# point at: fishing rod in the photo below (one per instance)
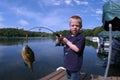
(58, 44)
(45, 28)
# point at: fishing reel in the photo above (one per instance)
(58, 43)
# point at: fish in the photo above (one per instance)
(28, 56)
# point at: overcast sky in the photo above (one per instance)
(53, 14)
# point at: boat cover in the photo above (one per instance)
(111, 14)
(105, 34)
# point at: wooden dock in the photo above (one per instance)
(60, 75)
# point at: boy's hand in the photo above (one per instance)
(59, 40)
(65, 40)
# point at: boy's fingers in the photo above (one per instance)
(57, 35)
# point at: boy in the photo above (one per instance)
(73, 49)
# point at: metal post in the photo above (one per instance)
(110, 50)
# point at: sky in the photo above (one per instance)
(52, 14)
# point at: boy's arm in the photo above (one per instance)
(71, 45)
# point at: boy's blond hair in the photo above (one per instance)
(77, 18)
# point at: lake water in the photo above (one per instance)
(48, 57)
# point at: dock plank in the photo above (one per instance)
(60, 75)
(63, 78)
(52, 75)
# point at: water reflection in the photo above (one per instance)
(5, 41)
(11, 41)
(13, 56)
(28, 56)
(90, 43)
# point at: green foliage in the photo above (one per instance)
(97, 30)
(93, 32)
(89, 43)
(86, 32)
(14, 32)
(64, 33)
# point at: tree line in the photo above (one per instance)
(86, 32)
(15, 32)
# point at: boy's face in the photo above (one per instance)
(75, 26)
